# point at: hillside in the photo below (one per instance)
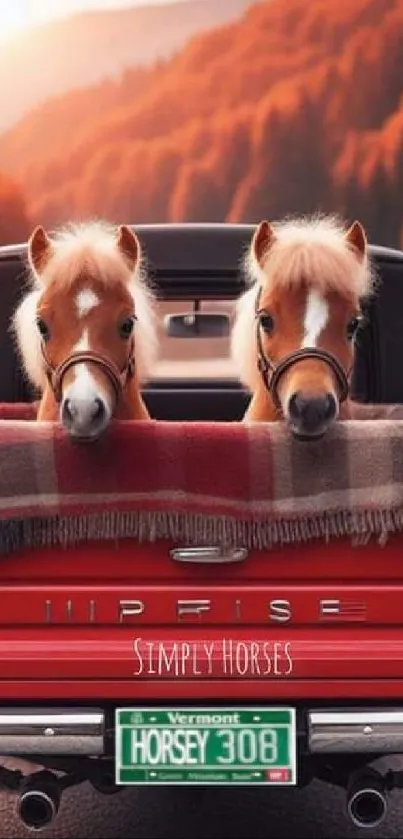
(38, 64)
(295, 107)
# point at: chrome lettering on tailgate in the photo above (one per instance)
(226, 658)
(111, 610)
(130, 608)
(192, 607)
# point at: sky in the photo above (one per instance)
(17, 15)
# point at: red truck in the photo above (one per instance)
(176, 663)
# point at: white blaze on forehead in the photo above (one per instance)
(85, 301)
(83, 344)
(315, 319)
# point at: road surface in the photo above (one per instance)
(314, 813)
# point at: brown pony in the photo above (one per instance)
(86, 330)
(295, 328)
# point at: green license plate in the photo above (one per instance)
(206, 746)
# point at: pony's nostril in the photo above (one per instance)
(331, 407)
(99, 410)
(68, 411)
(296, 406)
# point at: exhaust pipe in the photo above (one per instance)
(367, 802)
(39, 800)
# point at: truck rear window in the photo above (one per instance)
(194, 358)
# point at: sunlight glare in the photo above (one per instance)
(17, 15)
(14, 16)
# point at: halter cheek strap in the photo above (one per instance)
(272, 373)
(118, 378)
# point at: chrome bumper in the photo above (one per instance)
(355, 731)
(82, 731)
(52, 732)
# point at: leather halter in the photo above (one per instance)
(118, 378)
(272, 373)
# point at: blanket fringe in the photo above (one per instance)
(199, 529)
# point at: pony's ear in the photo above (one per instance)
(356, 237)
(129, 245)
(263, 239)
(39, 249)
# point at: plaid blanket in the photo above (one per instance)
(229, 483)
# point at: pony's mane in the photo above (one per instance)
(304, 249)
(315, 248)
(90, 246)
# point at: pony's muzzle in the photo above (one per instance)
(84, 419)
(309, 416)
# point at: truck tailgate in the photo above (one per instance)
(129, 620)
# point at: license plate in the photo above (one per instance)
(206, 746)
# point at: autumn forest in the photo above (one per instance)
(292, 107)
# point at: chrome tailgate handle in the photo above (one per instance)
(212, 555)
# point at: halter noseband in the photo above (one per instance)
(118, 378)
(272, 373)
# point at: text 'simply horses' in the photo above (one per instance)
(86, 329)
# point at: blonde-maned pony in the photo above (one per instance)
(293, 338)
(86, 329)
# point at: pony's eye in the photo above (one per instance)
(267, 323)
(43, 329)
(126, 327)
(353, 327)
